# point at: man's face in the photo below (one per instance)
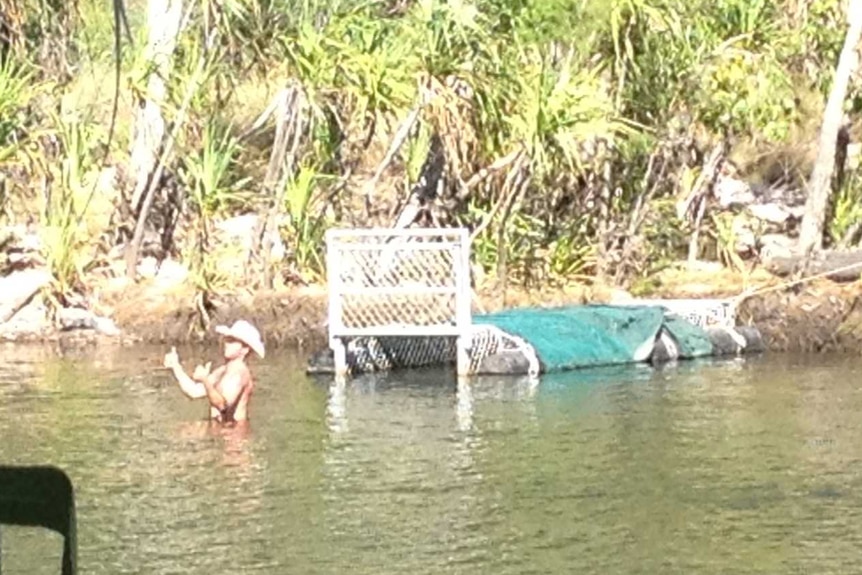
(233, 348)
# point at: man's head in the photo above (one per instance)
(239, 339)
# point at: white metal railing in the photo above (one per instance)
(399, 282)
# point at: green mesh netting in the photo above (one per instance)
(594, 334)
(691, 340)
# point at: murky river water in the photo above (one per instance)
(733, 467)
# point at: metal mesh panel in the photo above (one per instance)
(383, 281)
(369, 261)
(398, 298)
(701, 312)
(393, 311)
(372, 354)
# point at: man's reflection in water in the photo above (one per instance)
(228, 483)
(236, 440)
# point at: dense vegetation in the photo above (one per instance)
(562, 132)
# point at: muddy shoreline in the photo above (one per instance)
(815, 317)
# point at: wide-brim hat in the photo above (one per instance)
(246, 333)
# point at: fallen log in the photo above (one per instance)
(839, 266)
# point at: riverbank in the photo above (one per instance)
(812, 316)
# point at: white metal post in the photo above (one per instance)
(335, 324)
(462, 302)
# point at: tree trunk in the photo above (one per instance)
(424, 191)
(843, 266)
(819, 186)
(605, 227)
(292, 127)
(163, 24)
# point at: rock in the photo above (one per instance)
(725, 341)
(29, 322)
(777, 246)
(75, 318)
(20, 240)
(783, 195)
(241, 229)
(854, 152)
(106, 326)
(745, 238)
(148, 267)
(504, 363)
(774, 213)
(29, 242)
(766, 210)
(21, 261)
(81, 319)
(7, 236)
(731, 192)
(171, 273)
(165, 272)
(18, 288)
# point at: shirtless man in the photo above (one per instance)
(229, 387)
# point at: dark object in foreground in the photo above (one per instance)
(41, 496)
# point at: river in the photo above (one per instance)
(706, 467)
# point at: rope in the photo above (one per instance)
(738, 299)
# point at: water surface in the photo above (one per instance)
(710, 467)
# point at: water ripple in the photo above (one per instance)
(708, 467)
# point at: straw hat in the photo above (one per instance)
(245, 332)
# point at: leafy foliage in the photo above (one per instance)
(588, 96)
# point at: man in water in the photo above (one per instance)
(229, 387)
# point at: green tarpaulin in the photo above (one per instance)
(592, 335)
(690, 338)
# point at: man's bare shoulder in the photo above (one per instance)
(239, 370)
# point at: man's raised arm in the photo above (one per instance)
(189, 386)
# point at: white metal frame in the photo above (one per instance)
(456, 240)
(702, 312)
